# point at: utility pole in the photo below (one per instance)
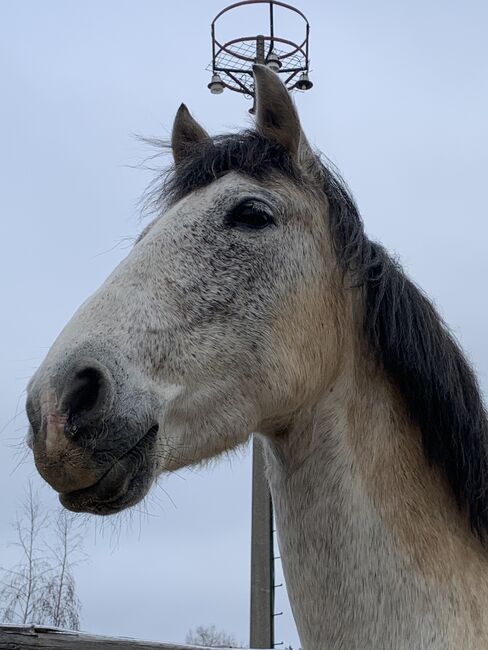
(262, 552)
(231, 68)
(262, 555)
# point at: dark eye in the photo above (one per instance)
(251, 215)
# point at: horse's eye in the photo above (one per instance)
(250, 215)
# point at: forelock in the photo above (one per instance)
(246, 152)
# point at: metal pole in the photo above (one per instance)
(260, 49)
(262, 553)
(260, 58)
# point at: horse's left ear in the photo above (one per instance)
(276, 115)
(186, 132)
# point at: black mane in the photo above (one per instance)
(405, 332)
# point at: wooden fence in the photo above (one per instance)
(20, 637)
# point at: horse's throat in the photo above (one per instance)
(356, 508)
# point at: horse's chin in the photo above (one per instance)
(124, 484)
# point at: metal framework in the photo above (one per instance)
(232, 60)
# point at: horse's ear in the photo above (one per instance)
(276, 115)
(186, 133)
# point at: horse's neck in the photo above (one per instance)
(375, 553)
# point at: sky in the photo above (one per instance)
(399, 103)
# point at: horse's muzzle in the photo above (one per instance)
(92, 439)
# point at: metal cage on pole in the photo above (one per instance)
(232, 59)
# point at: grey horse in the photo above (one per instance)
(255, 302)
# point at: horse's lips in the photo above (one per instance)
(108, 489)
(111, 492)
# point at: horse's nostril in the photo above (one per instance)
(86, 396)
(84, 391)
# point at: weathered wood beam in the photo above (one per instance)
(20, 637)
(262, 565)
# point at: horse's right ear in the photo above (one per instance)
(186, 133)
(276, 115)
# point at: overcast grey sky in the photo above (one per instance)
(400, 104)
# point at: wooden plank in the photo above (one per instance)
(20, 637)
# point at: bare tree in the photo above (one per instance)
(208, 635)
(40, 588)
(60, 604)
(22, 586)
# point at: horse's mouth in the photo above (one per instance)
(124, 484)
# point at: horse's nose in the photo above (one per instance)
(78, 398)
(67, 409)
